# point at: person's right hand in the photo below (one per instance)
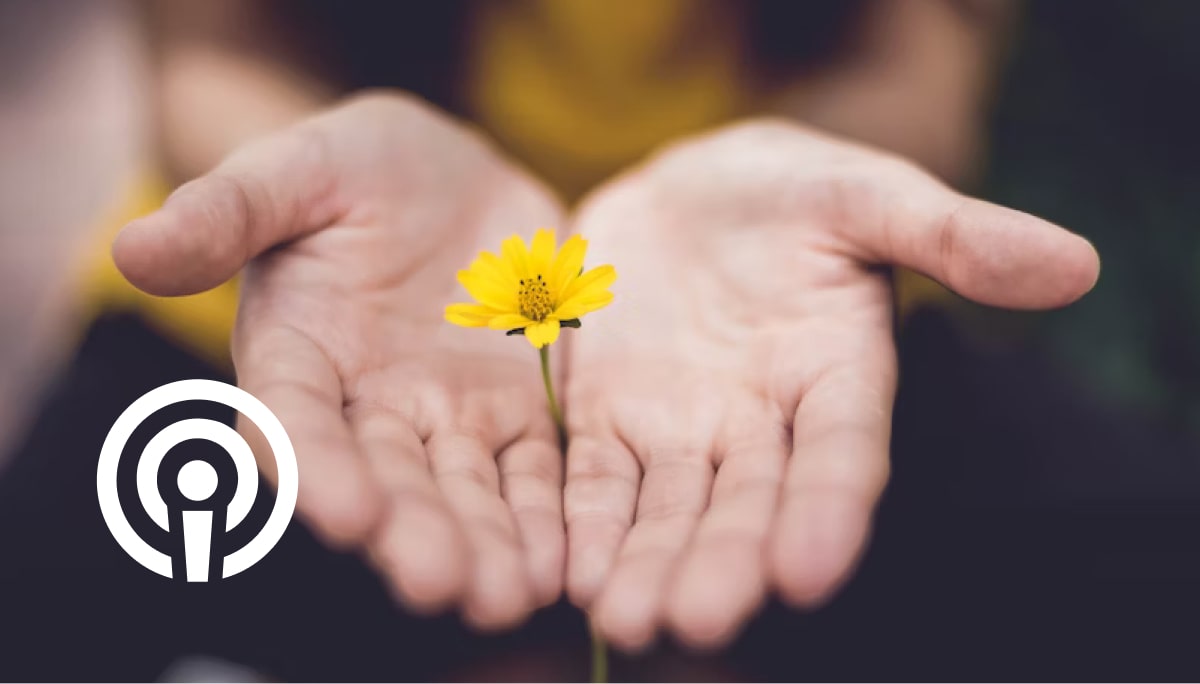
(427, 445)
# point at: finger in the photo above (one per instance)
(599, 499)
(500, 593)
(531, 474)
(988, 253)
(266, 193)
(722, 578)
(838, 469)
(286, 371)
(420, 546)
(675, 491)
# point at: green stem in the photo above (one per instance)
(599, 650)
(599, 656)
(555, 408)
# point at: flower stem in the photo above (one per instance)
(599, 656)
(599, 650)
(555, 408)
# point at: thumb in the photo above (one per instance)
(269, 192)
(988, 253)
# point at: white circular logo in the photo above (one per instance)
(197, 480)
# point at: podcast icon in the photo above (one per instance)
(201, 507)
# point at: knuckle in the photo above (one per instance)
(238, 206)
(537, 472)
(949, 239)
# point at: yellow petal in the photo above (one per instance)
(513, 252)
(582, 304)
(486, 291)
(597, 279)
(567, 264)
(542, 334)
(469, 315)
(490, 266)
(509, 321)
(541, 252)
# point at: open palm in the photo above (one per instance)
(730, 414)
(428, 446)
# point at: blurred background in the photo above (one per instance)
(1046, 501)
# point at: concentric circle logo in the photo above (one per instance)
(198, 482)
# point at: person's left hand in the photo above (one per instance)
(730, 414)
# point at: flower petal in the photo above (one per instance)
(595, 280)
(469, 315)
(513, 251)
(541, 252)
(493, 268)
(509, 321)
(567, 264)
(542, 334)
(582, 304)
(486, 291)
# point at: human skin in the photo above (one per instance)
(729, 414)
(427, 447)
(915, 83)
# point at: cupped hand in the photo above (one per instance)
(426, 445)
(730, 413)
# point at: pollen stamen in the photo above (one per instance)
(533, 299)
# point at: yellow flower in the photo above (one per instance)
(535, 290)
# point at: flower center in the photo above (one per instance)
(533, 299)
